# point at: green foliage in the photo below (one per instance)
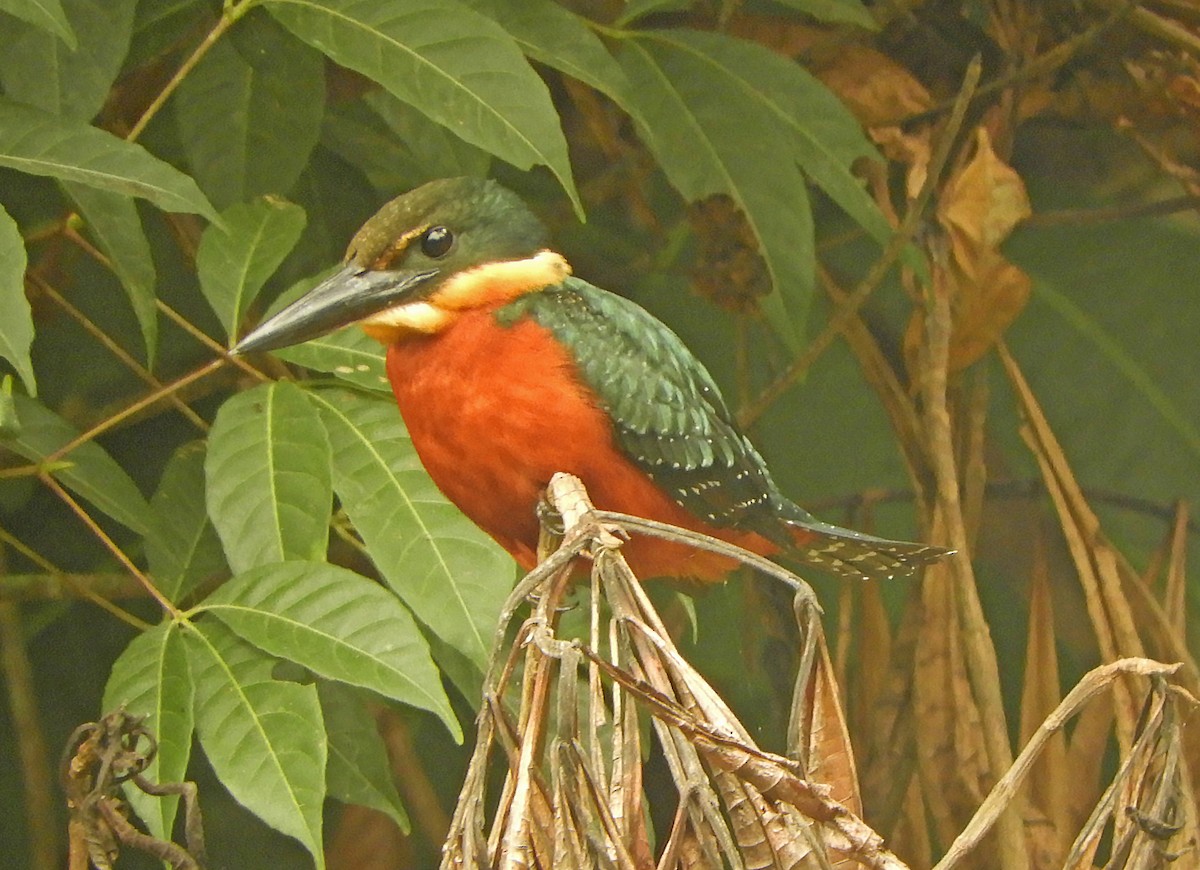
(235, 259)
(151, 678)
(308, 568)
(182, 547)
(457, 67)
(112, 222)
(264, 143)
(40, 143)
(338, 625)
(265, 737)
(89, 472)
(16, 333)
(45, 14)
(268, 482)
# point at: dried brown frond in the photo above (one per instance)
(572, 793)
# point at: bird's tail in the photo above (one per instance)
(848, 553)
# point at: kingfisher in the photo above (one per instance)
(507, 369)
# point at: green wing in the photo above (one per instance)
(669, 418)
(668, 415)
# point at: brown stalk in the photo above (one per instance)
(1004, 792)
(37, 794)
(163, 392)
(976, 645)
(1094, 559)
(120, 555)
(116, 350)
(232, 13)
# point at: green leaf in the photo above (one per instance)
(150, 678)
(38, 143)
(635, 9)
(557, 37)
(1122, 319)
(453, 64)
(358, 135)
(10, 423)
(16, 320)
(693, 114)
(38, 68)
(451, 575)
(86, 470)
(339, 625)
(267, 470)
(430, 150)
(182, 547)
(1131, 370)
(250, 113)
(434, 149)
(358, 771)
(46, 14)
(264, 738)
(834, 11)
(113, 223)
(161, 27)
(348, 353)
(817, 130)
(235, 259)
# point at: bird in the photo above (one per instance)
(507, 368)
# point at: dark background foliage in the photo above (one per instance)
(168, 169)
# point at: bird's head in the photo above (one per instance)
(425, 257)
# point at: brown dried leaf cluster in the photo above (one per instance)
(978, 207)
(928, 719)
(933, 736)
(927, 732)
(572, 751)
(563, 729)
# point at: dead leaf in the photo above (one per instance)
(876, 89)
(978, 209)
(1085, 751)
(1048, 783)
(982, 203)
(824, 735)
(911, 150)
(888, 728)
(1175, 593)
(910, 839)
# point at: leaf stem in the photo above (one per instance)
(115, 349)
(120, 555)
(144, 402)
(10, 588)
(229, 16)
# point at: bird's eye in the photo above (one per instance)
(436, 242)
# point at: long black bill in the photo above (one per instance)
(349, 294)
